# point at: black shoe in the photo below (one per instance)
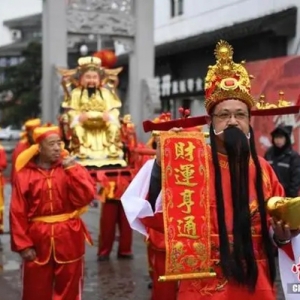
(103, 258)
(125, 256)
(150, 285)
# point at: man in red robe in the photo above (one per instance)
(3, 165)
(25, 142)
(112, 215)
(240, 183)
(50, 192)
(156, 248)
(112, 212)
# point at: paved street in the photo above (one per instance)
(113, 280)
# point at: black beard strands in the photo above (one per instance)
(267, 243)
(91, 91)
(239, 264)
(244, 267)
(223, 236)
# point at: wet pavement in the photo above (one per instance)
(111, 280)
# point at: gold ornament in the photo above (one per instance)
(286, 210)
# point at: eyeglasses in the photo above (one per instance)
(227, 115)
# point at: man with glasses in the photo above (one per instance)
(240, 183)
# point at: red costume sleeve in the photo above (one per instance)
(19, 219)
(277, 190)
(3, 160)
(156, 222)
(82, 188)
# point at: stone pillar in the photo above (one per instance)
(141, 59)
(54, 54)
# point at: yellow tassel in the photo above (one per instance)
(25, 156)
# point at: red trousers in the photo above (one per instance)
(113, 214)
(161, 290)
(150, 254)
(52, 281)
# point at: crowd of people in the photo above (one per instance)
(50, 192)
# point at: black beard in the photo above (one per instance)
(243, 263)
(236, 144)
(91, 91)
(238, 262)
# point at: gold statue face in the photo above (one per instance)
(90, 79)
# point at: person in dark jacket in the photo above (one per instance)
(284, 160)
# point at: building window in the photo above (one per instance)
(14, 61)
(2, 78)
(166, 105)
(176, 8)
(3, 62)
(37, 34)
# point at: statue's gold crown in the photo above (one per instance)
(89, 61)
(227, 79)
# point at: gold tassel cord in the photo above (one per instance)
(186, 276)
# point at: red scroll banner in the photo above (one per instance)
(186, 206)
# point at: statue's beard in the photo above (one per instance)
(91, 91)
(243, 264)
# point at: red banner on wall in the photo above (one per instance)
(186, 205)
(270, 77)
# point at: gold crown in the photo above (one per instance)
(89, 61)
(227, 79)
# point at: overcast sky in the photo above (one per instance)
(10, 9)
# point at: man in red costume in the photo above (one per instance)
(25, 142)
(3, 165)
(242, 254)
(112, 215)
(50, 192)
(156, 248)
(150, 253)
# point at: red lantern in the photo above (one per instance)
(107, 57)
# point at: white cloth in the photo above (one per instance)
(134, 200)
(285, 268)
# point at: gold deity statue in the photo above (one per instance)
(93, 108)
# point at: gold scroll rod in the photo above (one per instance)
(186, 276)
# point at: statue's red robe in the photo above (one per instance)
(58, 235)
